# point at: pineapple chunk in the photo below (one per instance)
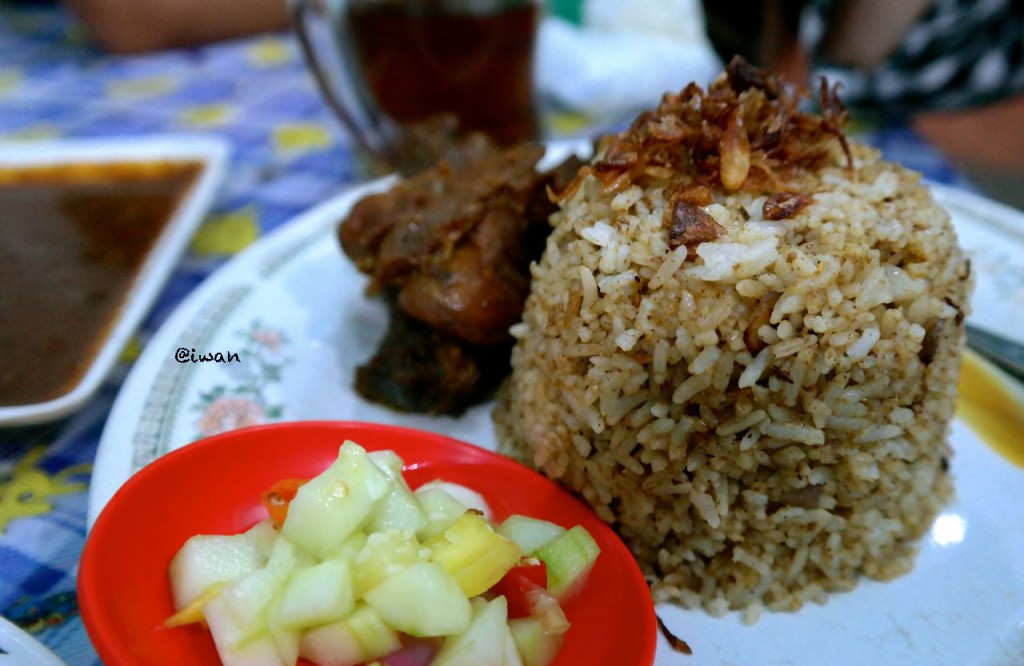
(473, 553)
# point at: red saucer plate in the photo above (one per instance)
(213, 487)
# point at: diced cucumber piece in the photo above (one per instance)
(316, 595)
(535, 646)
(389, 462)
(473, 553)
(385, 554)
(371, 632)
(208, 559)
(467, 497)
(351, 547)
(399, 510)
(331, 645)
(248, 597)
(440, 508)
(487, 642)
(361, 637)
(511, 654)
(286, 641)
(263, 534)
(569, 558)
(529, 533)
(331, 506)
(248, 600)
(285, 555)
(422, 600)
(239, 645)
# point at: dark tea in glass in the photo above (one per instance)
(419, 59)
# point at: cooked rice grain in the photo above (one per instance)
(740, 477)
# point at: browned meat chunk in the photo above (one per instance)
(477, 293)
(453, 244)
(418, 369)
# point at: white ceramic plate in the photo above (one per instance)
(212, 154)
(292, 308)
(17, 648)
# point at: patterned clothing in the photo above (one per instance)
(959, 54)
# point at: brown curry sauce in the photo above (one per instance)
(72, 241)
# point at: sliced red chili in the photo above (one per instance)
(516, 585)
(279, 497)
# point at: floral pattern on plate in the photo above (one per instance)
(243, 396)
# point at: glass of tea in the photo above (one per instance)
(386, 65)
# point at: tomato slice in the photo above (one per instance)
(279, 496)
(531, 573)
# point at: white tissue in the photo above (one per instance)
(624, 57)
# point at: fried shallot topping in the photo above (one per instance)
(746, 132)
(761, 316)
(784, 205)
(676, 643)
(691, 226)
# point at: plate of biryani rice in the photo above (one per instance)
(742, 346)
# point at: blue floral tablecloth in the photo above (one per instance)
(288, 155)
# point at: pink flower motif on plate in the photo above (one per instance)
(268, 338)
(244, 394)
(227, 413)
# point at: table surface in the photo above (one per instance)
(288, 155)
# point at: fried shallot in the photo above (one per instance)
(746, 132)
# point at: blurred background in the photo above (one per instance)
(920, 75)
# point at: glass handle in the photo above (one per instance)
(320, 27)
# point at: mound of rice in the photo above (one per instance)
(762, 416)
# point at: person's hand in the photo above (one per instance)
(136, 26)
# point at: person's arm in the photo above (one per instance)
(135, 26)
(863, 33)
(780, 41)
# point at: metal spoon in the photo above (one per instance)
(1005, 353)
